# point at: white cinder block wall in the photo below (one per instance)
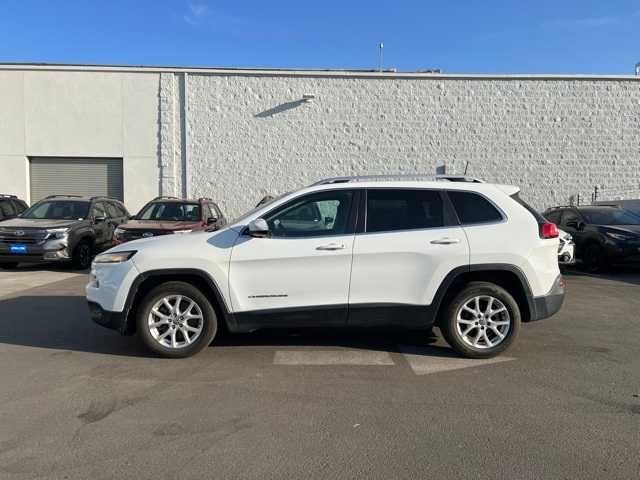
(236, 135)
(249, 135)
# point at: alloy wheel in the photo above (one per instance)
(175, 321)
(483, 322)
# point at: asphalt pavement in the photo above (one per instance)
(78, 401)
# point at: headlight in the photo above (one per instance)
(182, 231)
(115, 257)
(619, 236)
(58, 233)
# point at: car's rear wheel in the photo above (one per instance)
(176, 320)
(81, 258)
(8, 265)
(593, 258)
(481, 321)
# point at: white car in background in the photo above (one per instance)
(566, 249)
(344, 252)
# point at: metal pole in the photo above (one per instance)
(380, 48)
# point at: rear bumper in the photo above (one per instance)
(105, 318)
(548, 305)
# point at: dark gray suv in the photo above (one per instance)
(61, 228)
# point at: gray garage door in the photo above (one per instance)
(76, 176)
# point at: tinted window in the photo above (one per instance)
(554, 217)
(570, 219)
(391, 209)
(610, 216)
(6, 209)
(319, 214)
(58, 210)
(172, 211)
(473, 208)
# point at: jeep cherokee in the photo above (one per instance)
(352, 251)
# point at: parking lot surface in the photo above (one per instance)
(79, 401)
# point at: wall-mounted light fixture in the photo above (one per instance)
(307, 97)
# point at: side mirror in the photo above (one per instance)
(580, 226)
(211, 220)
(258, 228)
(328, 220)
(100, 219)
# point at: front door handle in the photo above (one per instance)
(331, 246)
(445, 241)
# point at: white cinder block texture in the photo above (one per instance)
(252, 135)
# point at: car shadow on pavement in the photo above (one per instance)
(60, 322)
(63, 323)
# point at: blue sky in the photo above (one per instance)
(490, 36)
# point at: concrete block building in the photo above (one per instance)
(236, 135)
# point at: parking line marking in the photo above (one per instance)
(332, 357)
(423, 361)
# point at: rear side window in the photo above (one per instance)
(395, 209)
(6, 209)
(473, 208)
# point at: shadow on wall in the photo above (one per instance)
(283, 107)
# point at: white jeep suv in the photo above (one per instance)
(469, 257)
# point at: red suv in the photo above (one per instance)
(166, 215)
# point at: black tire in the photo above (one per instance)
(593, 258)
(8, 265)
(168, 289)
(82, 254)
(449, 322)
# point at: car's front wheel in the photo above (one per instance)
(481, 321)
(176, 320)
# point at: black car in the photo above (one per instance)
(603, 235)
(11, 206)
(61, 228)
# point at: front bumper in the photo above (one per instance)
(35, 254)
(112, 320)
(548, 305)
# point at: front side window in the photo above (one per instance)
(554, 216)
(397, 209)
(58, 210)
(171, 211)
(473, 208)
(98, 210)
(314, 215)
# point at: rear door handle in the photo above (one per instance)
(445, 241)
(331, 246)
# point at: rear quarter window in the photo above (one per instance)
(474, 208)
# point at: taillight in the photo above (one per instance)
(549, 230)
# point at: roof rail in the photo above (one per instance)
(205, 198)
(58, 196)
(459, 178)
(6, 195)
(160, 197)
(397, 177)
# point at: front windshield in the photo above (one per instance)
(610, 216)
(58, 210)
(171, 211)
